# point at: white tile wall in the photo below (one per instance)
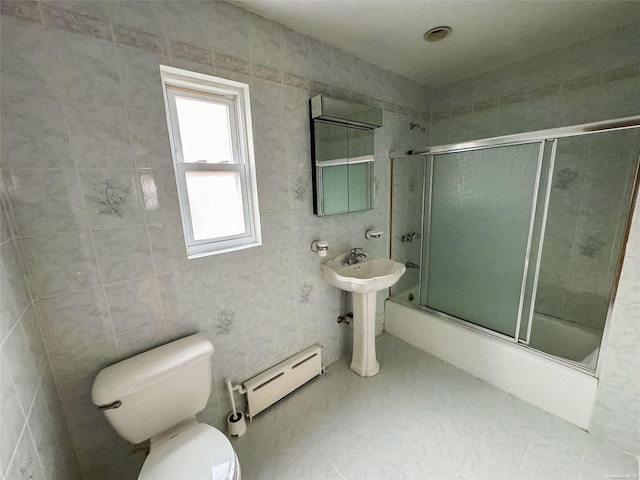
(89, 176)
(617, 414)
(34, 440)
(587, 215)
(406, 214)
(584, 82)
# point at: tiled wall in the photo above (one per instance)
(617, 413)
(34, 440)
(406, 217)
(589, 81)
(89, 175)
(587, 216)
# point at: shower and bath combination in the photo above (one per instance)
(521, 235)
(520, 251)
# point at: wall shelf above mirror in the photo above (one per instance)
(342, 154)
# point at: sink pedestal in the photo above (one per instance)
(364, 361)
(363, 277)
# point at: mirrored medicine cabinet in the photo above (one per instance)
(342, 154)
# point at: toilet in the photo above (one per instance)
(155, 396)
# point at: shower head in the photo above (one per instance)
(413, 125)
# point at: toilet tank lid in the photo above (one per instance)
(136, 373)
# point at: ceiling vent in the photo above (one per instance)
(437, 33)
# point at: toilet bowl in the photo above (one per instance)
(195, 452)
(154, 396)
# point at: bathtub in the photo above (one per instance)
(565, 340)
(543, 380)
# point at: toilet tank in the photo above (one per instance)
(156, 389)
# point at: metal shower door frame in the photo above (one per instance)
(426, 231)
(543, 228)
(542, 136)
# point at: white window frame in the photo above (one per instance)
(236, 96)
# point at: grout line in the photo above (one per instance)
(624, 208)
(71, 104)
(584, 449)
(14, 325)
(334, 467)
(35, 447)
(93, 246)
(15, 237)
(40, 325)
(533, 435)
(102, 283)
(5, 205)
(108, 284)
(127, 332)
(626, 302)
(52, 358)
(144, 209)
(27, 414)
(88, 230)
(47, 297)
(13, 455)
(481, 431)
(41, 376)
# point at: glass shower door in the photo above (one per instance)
(478, 228)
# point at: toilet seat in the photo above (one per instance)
(200, 452)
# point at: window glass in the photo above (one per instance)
(205, 131)
(215, 202)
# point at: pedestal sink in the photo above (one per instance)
(363, 279)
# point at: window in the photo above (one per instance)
(209, 122)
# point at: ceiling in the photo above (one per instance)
(486, 34)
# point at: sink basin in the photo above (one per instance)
(363, 279)
(369, 275)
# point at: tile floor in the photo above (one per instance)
(419, 418)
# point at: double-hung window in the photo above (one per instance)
(209, 122)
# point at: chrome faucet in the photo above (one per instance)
(354, 256)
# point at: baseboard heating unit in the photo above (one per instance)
(279, 381)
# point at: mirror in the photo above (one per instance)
(342, 155)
